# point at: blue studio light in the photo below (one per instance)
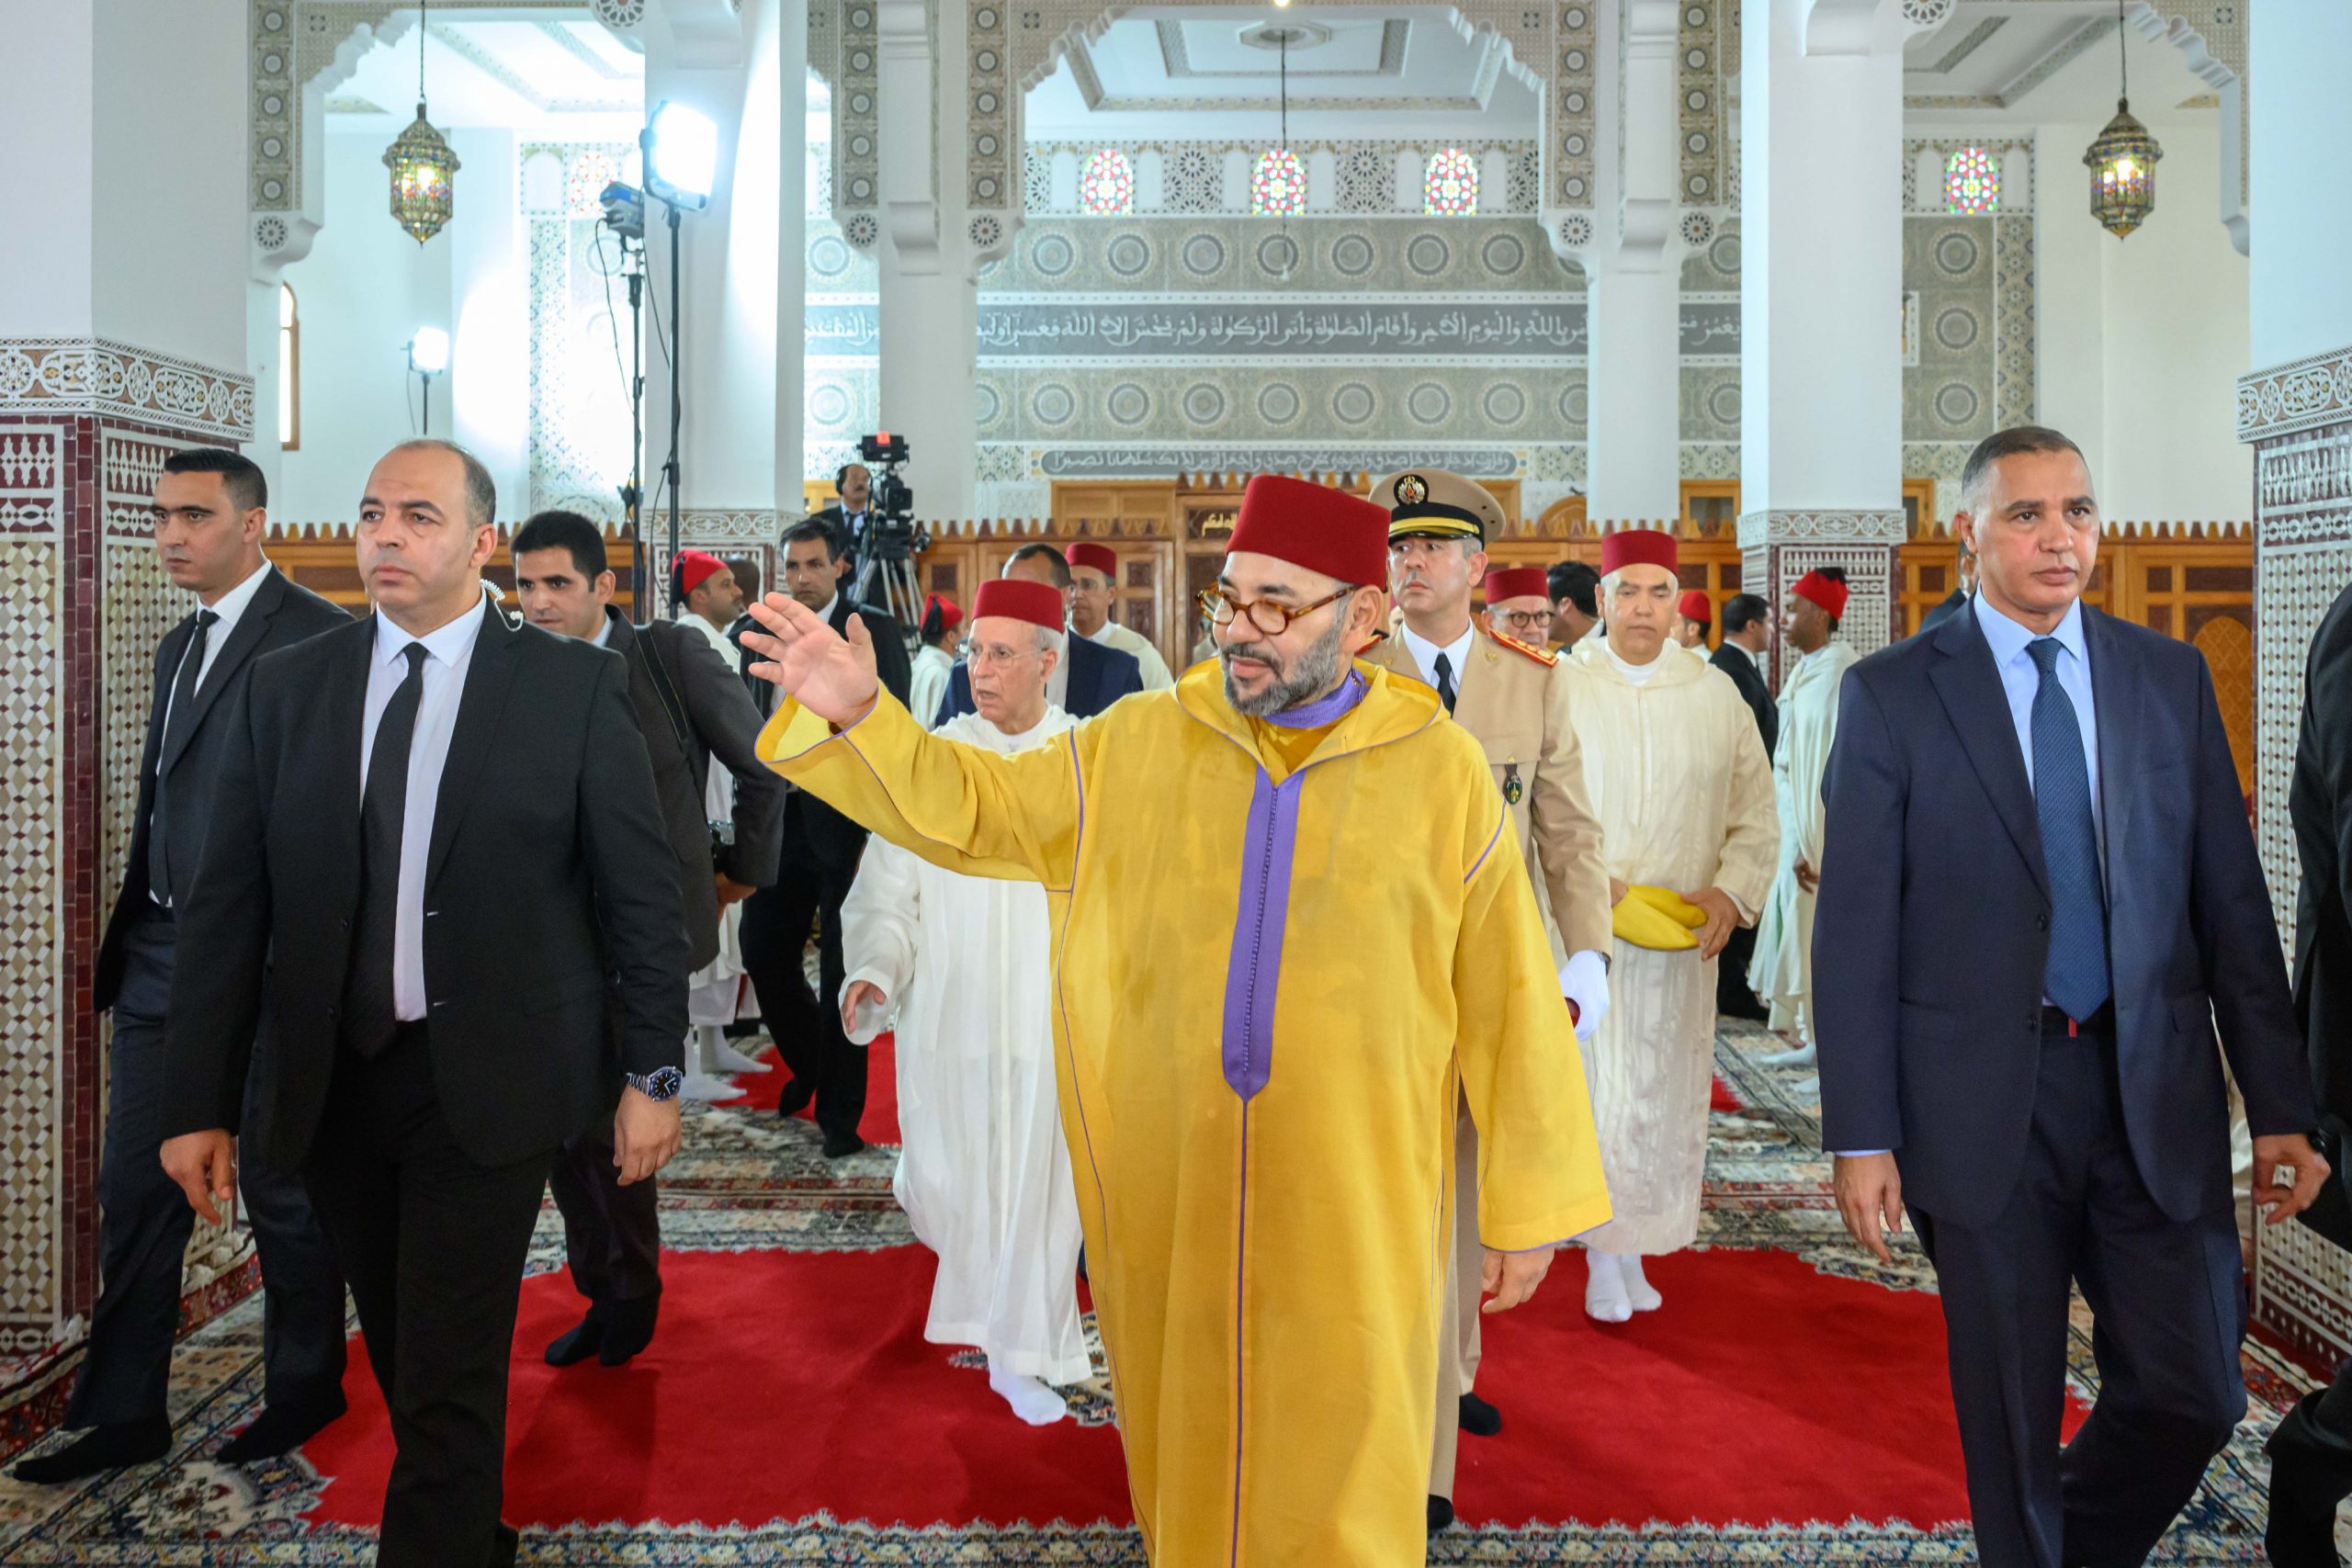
(681, 155)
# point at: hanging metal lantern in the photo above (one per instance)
(2123, 172)
(422, 167)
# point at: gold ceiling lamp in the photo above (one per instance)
(2122, 161)
(422, 164)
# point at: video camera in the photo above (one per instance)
(891, 537)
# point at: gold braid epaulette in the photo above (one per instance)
(1541, 656)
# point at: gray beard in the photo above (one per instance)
(1314, 673)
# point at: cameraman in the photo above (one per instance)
(850, 515)
(690, 707)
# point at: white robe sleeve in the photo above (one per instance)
(879, 919)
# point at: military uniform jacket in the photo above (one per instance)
(1516, 701)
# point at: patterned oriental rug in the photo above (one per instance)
(1788, 1405)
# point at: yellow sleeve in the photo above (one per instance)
(1015, 819)
(1538, 1160)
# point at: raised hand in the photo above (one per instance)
(805, 658)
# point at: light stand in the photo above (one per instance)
(677, 407)
(625, 216)
(681, 155)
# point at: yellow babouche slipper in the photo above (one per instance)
(1657, 918)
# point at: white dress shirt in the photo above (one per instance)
(1425, 652)
(230, 607)
(2021, 678)
(450, 650)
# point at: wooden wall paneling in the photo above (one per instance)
(328, 566)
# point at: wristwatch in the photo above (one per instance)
(661, 1084)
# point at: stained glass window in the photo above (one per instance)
(1449, 188)
(1278, 187)
(1972, 182)
(1107, 188)
(591, 170)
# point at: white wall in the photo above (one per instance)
(2141, 340)
(489, 320)
(363, 291)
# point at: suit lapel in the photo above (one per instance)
(481, 708)
(167, 665)
(1971, 690)
(1085, 675)
(2115, 699)
(244, 638)
(347, 713)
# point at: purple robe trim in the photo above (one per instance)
(1256, 963)
(1325, 709)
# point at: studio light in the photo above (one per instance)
(428, 355)
(681, 155)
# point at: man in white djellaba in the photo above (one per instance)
(1677, 774)
(967, 963)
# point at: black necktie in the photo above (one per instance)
(175, 722)
(1445, 682)
(369, 1016)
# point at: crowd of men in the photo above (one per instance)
(1390, 905)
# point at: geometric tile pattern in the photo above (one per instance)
(1778, 548)
(1709, 57)
(115, 381)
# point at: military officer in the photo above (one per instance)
(1516, 699)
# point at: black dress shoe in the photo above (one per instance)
(2310, 1472)
(840, 1145)
(99, 1449)
(1479, 1418)
(795, 1098)
(586, 1338)
(280, 1429)
(1441, 1513)
(629, 1328)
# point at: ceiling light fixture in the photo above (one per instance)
(2122, 160)
(423, 192)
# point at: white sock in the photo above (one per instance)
(1604, 1288)
(1031, 1400)
(724, 1058)
(708, 1088)
(1639, 1291)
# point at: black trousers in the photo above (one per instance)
(434, 1243)
(612, 1234)
(806, 1029)
(1733, 995)
(145, 1222)
(2169, 1301)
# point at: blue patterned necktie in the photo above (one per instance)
(2076, 976)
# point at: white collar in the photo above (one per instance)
(825, 614)
(232, 604)
(603, 628)
(1425, 652)
(448, 643)
(1742, 647)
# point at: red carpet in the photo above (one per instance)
(1723, 1098)
(784, 1383)
(880, 1122)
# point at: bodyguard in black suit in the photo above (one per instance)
(1090, 680)
(819, 861)
(2310, 1453)
(1952, 603)
(209, 517)
(436, 834)
(1746, 620)
(2040, 892)
(689, 708)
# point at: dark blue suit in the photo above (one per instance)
(2033, 1153)
(1099, 676)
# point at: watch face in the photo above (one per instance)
(663, 1083)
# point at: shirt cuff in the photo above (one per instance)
(1860, 1154)
(1584, 980)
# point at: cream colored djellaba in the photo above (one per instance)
(1678, 779)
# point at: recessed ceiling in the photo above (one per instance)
(2036, 60)
(537, 75)
(1212, 72)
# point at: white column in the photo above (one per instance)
(123, 336)
(726, 446)
(930, 302)
(1821, 286)
(1634, 297)
(791, 245)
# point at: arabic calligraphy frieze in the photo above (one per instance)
(1166, 462)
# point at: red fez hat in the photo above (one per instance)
(1039, 603)
(1324, 530)
(1697, 606)
(694, 566)
(1517, 582)
(949, 614)
(1826, 591)
(1638, 547)
(1087, 553)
